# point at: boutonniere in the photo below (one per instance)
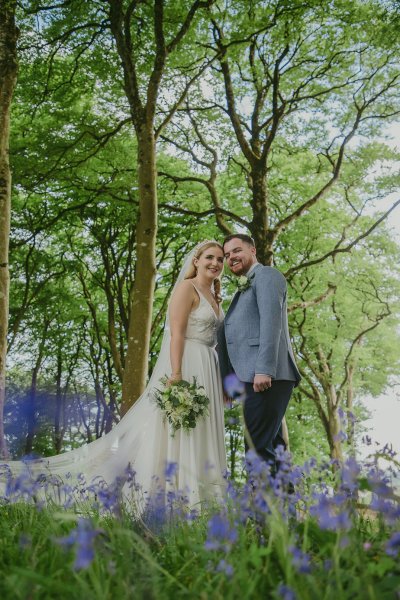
(243, 283)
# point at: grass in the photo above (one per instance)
(263, 542)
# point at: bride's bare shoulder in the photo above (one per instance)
(184, 297)
(185, 288)
(185, 284)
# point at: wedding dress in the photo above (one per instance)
(144, 439)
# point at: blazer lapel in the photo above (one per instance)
(237, 295)
(233, 303)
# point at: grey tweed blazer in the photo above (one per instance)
(254, 336)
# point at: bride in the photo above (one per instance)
(192, 462)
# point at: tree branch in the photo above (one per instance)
(306, 304)
(338, 250)
(130, 75)
(205, 213)
(182, 97)
(199, 4)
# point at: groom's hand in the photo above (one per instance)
(261, 382)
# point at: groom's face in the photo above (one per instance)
(239, 256)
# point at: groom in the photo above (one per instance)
(254, 343)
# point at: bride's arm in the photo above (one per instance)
(182, 302)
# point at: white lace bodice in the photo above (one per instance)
(203, 322)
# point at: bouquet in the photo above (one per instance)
(183, 403)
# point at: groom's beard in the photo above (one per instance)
(242, 271)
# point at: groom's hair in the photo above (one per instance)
(239, 236)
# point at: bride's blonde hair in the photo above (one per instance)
(192, 270)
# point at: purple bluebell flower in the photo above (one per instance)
(224, 567)
(283, 456)
(108, 500)
(379, 482)
(341, 436)
(25, 541)
(170, 470)
(349, 475)
(221, 535)
(388, 450)
(107, 496)
(31, 457)
(329, 514)
(82, 537)
(389, 510)
(393, 545)
(367, 440)
(309, 465)
(233, 386)
(255, 465)
(192, 515)
(22, 487)
(351, 417)
(286, 593)
(328, 564)
(260, 502)
(300, 560)
(68, 497)
(130, 475)
(155, 513)
(81, 478)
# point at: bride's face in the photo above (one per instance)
(210, 262)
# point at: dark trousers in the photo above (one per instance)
(263, 414)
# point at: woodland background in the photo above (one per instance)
(134, 129)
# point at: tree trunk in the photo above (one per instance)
(112, 405)
(31, 407)
(99, 393)
(143, 97)
(141, 304)
(333, 434)
(58, 435)
(86, 423)
(8, 79)
(349, 404)
(259, 225)
(31, 410)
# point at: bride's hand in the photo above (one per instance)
(174, 378)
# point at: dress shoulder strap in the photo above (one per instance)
(197, 289)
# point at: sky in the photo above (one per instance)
(384, 423)
(383, 426)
